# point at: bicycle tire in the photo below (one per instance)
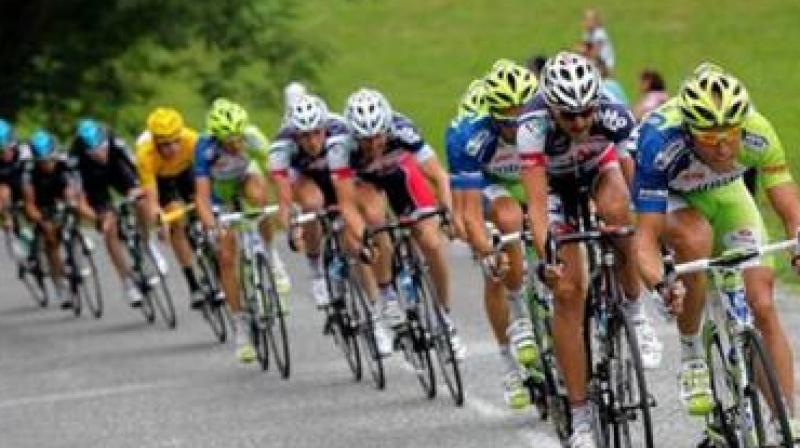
(365, 326)
(211, 310)
(341, 316)
(720, 424)
(441, 341)
(770, 392)
(278, 336)
(417, 349)
(257, 325)
(629, 385)
(85, 278)
(156, 286)
(29, 270)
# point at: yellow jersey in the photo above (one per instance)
(152, 165)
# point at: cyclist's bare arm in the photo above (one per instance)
(473, 222)
(346, 197)
(31, 209)
(785, 199)
(650, 227)
(433, 170)
(458, 215)
(534, 180)
(284, 187)
(202, 200)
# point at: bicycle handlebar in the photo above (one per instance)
(734, 258)
(258, 213)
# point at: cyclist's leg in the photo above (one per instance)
(6, 202)
(737, 223)
(228, 259)
(311, 199)
(373, 206)
(172, 193)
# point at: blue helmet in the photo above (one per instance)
(43, 145)
(91, 133)
(6, 134)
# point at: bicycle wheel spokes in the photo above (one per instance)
(156, 287)
(770, 417)
(365, 327)
(632, 401)
(84, 277)
(341, 316)
(416, 345)
(274, 315)
(212, 310)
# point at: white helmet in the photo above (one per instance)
(292, 91)
(306, 113)
(570, 82)
(368, 113)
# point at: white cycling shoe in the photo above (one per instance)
(282, 281)
(392, 314)
(582, 437)
(319, 291)
(383, 338)
(650, 347)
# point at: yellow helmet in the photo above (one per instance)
(507, 85)
(165, 122)
(472, 102)
(711, 98)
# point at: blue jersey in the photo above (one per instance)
(477, 155)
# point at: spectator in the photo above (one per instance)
(653, 91)
(596, 38)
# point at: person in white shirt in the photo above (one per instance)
(596, 37)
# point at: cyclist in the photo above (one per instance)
(385, 152)
(14, 157)
(693, 151)
(105, 164)
(229, 167)
(484, 168)
(299, 168)
(164, 160)
(568, 135)
(45, 183)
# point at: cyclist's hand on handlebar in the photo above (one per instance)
(295, 235)
(550, 273)
(494, 264)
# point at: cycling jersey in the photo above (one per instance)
(542, 143)
(287, 159)
(396, 170)
(666, 162)
(118, 171)
(12, 170)
(49, 187)
(152, 165)
(226, 170)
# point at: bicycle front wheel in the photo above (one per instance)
(721, 423)
(766, 400)
(158, 290)
(84, 276)
(365, 328)
(212, 308)
(633, 422)
(274, 315)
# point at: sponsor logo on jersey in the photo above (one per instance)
(668, 155)
(407, 134)
(740, 238)
(477, 143)
(612, 119)
(755, 141)
(647, 193)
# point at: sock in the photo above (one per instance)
(516, 305)
(191, 280)
(581, 415)
(509, 363)
(633, 309)
(314, 265)
(691, 347)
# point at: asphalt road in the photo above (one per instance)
(120, 382)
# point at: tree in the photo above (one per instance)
(60, 59)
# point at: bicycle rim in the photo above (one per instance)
(366, 331)
(275, 317)
(441, 342)
(158, 289)
(212, 311)
(721, 424)
(85, 276)
(340, 317)
(766, 400)
(632, 400)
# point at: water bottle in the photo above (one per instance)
(406, 284)
(22, 244)
(336, 274)
(732, 288)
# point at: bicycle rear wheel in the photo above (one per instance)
(440, 341)
(212, 308)
(365, 328)
(278, 337)
(84, 276)
(158, 290)
(633, 425)
(766, 400)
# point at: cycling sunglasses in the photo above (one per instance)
(572, 116)
(716, 137)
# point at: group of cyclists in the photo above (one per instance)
(517, 149)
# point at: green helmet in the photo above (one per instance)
(473, 102)
(711, 97)
(507, 85)
(226, 118)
